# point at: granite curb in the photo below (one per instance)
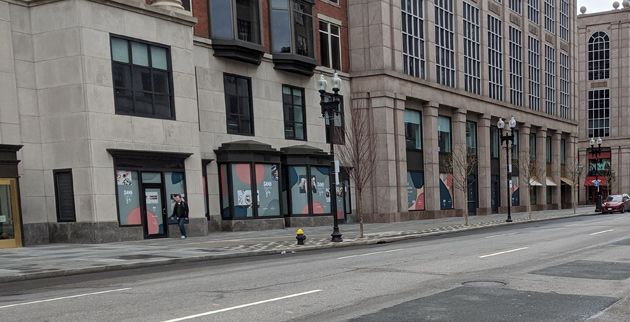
(295, 248)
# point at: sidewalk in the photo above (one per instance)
(70, 259)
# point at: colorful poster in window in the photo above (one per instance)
(516, 200)
(602, 167)
(320, 183)
(225, 197)
(128, 197)
(175, 185)
(299, 188)
(241, 190)
(415, 190)
(268, 190)
(446, 191)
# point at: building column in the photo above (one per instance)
(483, 165)
(431, 156)
(459, 144)
(571, 160)
(556, 197)
(173, 5)
(623, 175)
(523, 151)
(541, 163)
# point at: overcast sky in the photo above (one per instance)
(596, 5)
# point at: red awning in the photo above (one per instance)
(602, 155)
(590, 181)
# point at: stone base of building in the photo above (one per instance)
(313, 221)
(100, 232)
(411, 215)
(252, 225)
(483, 211)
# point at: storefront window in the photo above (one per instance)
(320, 189)
(128, 192)
(446, 191)
(268, 189)
(300, 185)
(413, 130)
(242, 190)
(444, 134)
(174, 186)
(415, 190)
(225, 197)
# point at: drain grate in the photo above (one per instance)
(484, 284)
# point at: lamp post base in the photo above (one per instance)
(508, 220)
(336, 235)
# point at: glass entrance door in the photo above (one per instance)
(154, 213)
(10, 232)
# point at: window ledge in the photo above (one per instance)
(238, 50)
(294, 64)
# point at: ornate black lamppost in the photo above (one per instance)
(596, 151)
(509, 138)
(330, 109)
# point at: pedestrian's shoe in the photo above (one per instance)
(183, 237)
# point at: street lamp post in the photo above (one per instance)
(330, 109)
(596, 151)
(508, 138)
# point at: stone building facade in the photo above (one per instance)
(111, 108)
(604, 67)
(438, 75)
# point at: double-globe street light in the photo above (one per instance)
(330, 109)
(596, 151)
(508, 138)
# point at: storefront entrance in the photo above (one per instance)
(155, 212)
(10, 228)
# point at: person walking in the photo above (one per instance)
(180, 211)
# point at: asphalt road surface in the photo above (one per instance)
(562, 270)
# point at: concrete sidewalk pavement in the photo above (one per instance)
(70, 259)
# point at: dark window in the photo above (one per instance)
(562, 151)
(413, 130)
(330, 45)
(515, 145)
(339, 129)
(548, 149)
(532, 147)
(444, 134)
(471, 137)
(142, 79)
(494, 142)
(598, 56)
(238, 104)
(64, 196)
(186, 4)
(294, 112)
(292, 27)
(235, 19)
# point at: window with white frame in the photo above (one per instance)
(598, 56)
(564, 20)
(444, 42)
(516, 67)
(329, 45)
(533, 10)
(550, 80)
(515, 5)
(565, 78)
(495, 58)
(412, 16)
(598, 113)
(550, 16)
(534, 73)
(472, 62)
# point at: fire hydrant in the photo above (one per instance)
(300, 237)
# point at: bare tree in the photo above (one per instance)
(573, 170)
(611, 181)
(461, 163)
(531, 171)
(359, 151)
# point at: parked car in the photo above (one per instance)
(615, 203)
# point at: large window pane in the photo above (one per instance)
(268, 189)
(175, 185)
(320, 189)
(415, 190)
(280, 27)
(221, 18)
(140, 54)
(294, 114)
(243, 198)
(471, 137)
(128, 192)
(248, 21)
(299, 184)
(225, 197)
(120, 50)
(158, 58)
(303, 29)
(444, 134)
(238, 105)
(494, 142)
(413, 130)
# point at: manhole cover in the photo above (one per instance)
(484, 284)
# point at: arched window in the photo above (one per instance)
(598, 56)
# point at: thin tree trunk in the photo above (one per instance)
(529, 204)
(574, 197)
(466, 208)
(360, 211)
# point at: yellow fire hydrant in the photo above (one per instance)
(300, 237)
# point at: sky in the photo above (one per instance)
(593, 6)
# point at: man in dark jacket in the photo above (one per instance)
(181, 212)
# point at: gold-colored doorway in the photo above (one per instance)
(10, 228)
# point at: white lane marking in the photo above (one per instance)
(504, 252)
(571, 225)
(501, 235)
(368, 254)
(65, 297)
(242, 306)
(601, 232)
